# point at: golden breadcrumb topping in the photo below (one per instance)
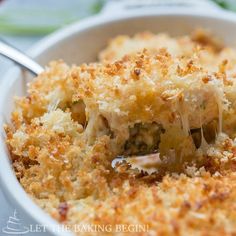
(144, 137)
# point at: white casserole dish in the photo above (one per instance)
(81, 42)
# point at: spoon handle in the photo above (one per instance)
(20, 58)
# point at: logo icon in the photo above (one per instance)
(14, 226)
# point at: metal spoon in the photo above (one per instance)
(147, 163)
(20, 58)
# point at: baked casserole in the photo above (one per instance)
(145, 136)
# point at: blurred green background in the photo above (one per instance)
(40, 17)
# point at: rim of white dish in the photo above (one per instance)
(10, 185)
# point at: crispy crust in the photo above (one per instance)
(75, 120)
(124, 45)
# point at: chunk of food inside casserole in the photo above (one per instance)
(168, 112)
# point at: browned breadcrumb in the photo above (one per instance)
(75, 120)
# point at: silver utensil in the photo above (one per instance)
(20, 58)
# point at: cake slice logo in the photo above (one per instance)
(15, 226)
